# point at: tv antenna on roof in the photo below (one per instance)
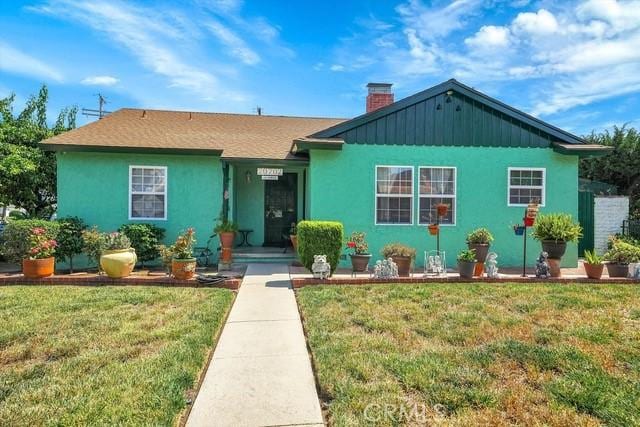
(100, 112)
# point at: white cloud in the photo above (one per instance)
(542, 23)
(148, 36)
(99, 81)
(435, 22)
(337, 67)
(238, 48)
(15, 61)
(489, 37)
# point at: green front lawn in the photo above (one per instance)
(476, 354)
(103, 355)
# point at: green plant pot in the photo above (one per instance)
(554, 249)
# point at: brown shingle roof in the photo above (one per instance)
(236, 135)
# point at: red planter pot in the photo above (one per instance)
(529, 221)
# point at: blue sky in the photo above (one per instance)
(575, 64)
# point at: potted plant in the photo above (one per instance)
(620, 256)
(442, 209)
(183, 264)
(226, 230)
(593, 264)
(401, 254)
(166, 256)
(518, 229)
(466, 263)
(433, 229)
(118, 258)
(360, 256)
(480, 240)
(293, 236)
(39, 261)
(554, 231)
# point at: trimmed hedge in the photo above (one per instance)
(15, 238)
(320, 238)
(145, 239)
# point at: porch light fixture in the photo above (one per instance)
(247, 177)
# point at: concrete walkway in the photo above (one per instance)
(260, 374)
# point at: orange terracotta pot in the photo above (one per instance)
(227, 238)
(226, 255)
(38, 268)
(442, 209)
(294, 242)
(433, 229)
(183, 269)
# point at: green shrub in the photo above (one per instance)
(225, 226)
(467, 255)
(116, 241)
(398, 249)
(93, 244)
(558, 227)
(16, 238)
(623, 253)
(320, 238)
(591, 257)
(70, 241)
(183, 248)
(480, 236)
(145, 239)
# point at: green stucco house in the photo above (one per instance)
(382, 172)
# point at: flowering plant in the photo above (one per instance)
(358, 244)
(183, 248)
(40, 245)
(116, 241)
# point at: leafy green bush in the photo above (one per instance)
(183, 248)
(116, 241)
(591, 257)
(16, 238)
(623, 253)
(70, 242)
(467, 255)
(320, 238)
(480, 236)
(93, 244)
(145, 239)
(558, 227)
(398, 249)
(225, 226)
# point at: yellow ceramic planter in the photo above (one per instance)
(118, 263)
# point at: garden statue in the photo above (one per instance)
(636, 271)
(543, 271)
(434, 263)
(491, 265)
(320, 267)
(385, 269)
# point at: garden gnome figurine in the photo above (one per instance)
(543, 271)
(491, 265)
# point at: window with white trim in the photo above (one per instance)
(147, 192)
(526, 185)
(437, 185)
(394, 195)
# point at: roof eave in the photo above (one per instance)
(142, 150)
(303, 145)
(582, 150)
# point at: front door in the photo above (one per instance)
(280, 208)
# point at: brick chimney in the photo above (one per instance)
(379, 96)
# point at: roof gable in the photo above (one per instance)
(466, 117)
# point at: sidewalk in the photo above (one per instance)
(260, 374)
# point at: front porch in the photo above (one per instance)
(265, 200)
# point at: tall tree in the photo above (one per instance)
(27, 172)
(621, 167)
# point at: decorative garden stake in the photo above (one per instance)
(529, 219)
(492, 265)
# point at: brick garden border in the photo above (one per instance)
(93, 280)
(298, 283)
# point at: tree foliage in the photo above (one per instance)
(621, 167)
(70, 241)
(27, 172)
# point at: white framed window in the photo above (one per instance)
(148, 192)
(436, 184)
(526, 185)
(394, 195)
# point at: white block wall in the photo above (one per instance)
(608, 212)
